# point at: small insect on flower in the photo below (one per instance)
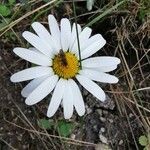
(57, 58)
(63, 58)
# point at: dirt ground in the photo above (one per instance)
(116, 124)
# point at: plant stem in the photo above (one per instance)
(75, 16)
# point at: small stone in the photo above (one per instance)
(95, 127)
(19, 138)
(99, 112)
(102, 130)
(72, 136)
(1, 128)
(111, 120)
(88, 109)
(103, 139)
(131, 115)
(102, 119)
(120, 142)
(29, 111)
(105, 112)
(25, 146)
(102, 146)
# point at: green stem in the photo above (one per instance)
(75, 16)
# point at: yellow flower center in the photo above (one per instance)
(65, 65)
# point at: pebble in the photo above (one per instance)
(111, 120)
(120, 142)
(131, 115)
(102, 119)
(25, 146)
(73, 136)
(103, 139)
(29, 111)
(105, 112)
(88, 109)
(102, 130)
(95, 127)
(99, 112)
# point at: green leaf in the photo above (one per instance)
(143, 140)
(4, 11)
(46, 1)
(148, 136)
(45, 123)
(65, 128)
(106, 12)
(4, 23)
(11, 2)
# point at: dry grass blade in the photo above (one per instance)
(12, 24)
(106, 12)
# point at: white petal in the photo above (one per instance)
(98, 76)
(68, 101)
(74, 34)
(34, 49)
(90, 41)
(102, 61)
(92, 87)
(45, 36)
(54, 29)
(41, 31)
(65, 33)
(105, 68)
(31, 73)
(32, 85)
(83, 36)
(42, 90)
(93, 48)
(33, 56)
(77, 99)
(38, 43)
(56, 98)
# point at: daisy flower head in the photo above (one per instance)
(58, 67)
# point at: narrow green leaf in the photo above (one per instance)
(109, 10)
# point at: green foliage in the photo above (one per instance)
(64, 128)
(144, 10)
(45, 123)
(4, 22)
(11, 2)
(4, 10)
(143, 140)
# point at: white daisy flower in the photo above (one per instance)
(57, 56)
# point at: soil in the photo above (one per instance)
(103, 124)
